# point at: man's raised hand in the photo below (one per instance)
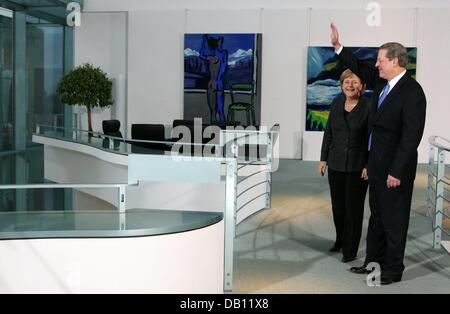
(335, 37)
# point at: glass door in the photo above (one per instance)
(33, 54)
(6, 81)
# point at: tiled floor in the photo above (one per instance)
(285, 249)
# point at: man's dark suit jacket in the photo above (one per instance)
(396, 127)
(344, 145)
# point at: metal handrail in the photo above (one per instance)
(444, 214)
(121, 188)
(442, 230)
(431, 171)
(62, 186)
(256, 197)
(432, 188)
(446, 199)
(443, 180)
(435, 228)
(253, 174)
(433, 140)
(246, 190)
(252, 163)
(437, 185)
(431, 196)
(245, 137)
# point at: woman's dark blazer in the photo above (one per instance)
(344, 145)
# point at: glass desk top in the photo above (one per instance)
(245, 154)
(101, 224)
(124, 146)
(173, 147)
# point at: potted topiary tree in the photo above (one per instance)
(87, 86)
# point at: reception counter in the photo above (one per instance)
(140, 251)
(174, 182)
(163, 222)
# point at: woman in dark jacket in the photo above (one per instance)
(344, 151)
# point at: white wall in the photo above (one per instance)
(132, 5)
(434, 75)
(101, 41)
(155, 65)
(285, 34)
(155, 57)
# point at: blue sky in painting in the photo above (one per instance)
(232, 42)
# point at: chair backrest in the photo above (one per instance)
(242, 88)
(148, 132)
(184, 122)
(224, 125)
(111, 128)
(192, 128)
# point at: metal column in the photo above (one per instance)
(437, 232)
(230, 222)
(20, 105)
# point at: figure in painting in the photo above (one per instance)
(217, 59)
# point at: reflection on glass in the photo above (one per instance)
(44, 49)
(6, 75)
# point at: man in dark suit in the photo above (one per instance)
(396, 123)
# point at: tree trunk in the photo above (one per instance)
(89, 112)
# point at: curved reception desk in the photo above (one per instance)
(169, 182)
(157, 222)
(140, 251)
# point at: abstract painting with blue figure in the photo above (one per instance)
(212, 62)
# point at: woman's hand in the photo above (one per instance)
(322, 167)
(364, 174)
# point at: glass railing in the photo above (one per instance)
(249, 146)
(127, 146)
(106, 223)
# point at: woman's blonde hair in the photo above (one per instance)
(346, 74)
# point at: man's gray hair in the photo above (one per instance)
(396, 50)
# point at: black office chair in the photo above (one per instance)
(149, 132)
(185, 122)
(111, 128)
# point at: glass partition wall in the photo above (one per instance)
(35, 51)
(6, 80)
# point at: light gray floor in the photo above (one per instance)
(285, 249)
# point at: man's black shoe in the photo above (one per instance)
(335, 248)
(348, 259)
(388, 279)
(360, 270)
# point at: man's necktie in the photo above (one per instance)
(383, 95)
